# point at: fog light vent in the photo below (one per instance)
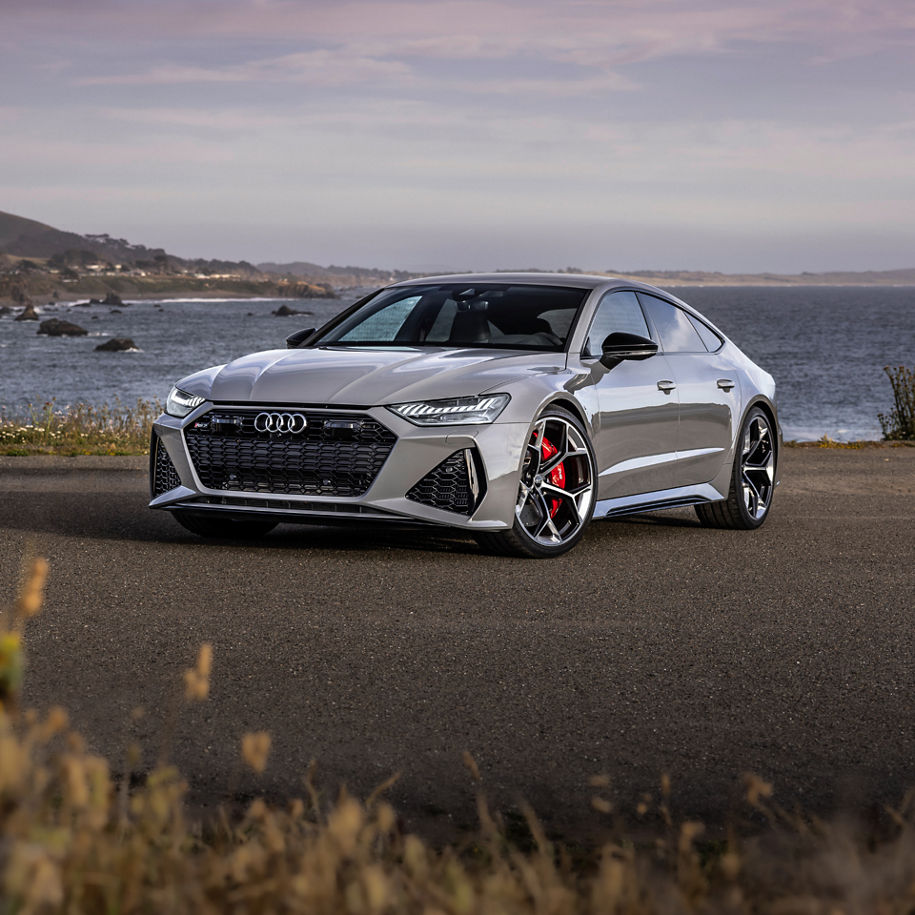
(452, 486)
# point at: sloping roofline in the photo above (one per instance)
(569, 280)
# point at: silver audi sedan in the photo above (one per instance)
(516, 407)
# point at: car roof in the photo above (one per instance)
(567, 280)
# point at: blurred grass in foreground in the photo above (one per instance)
(78, 429)
(76, 838)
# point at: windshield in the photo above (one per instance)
(496, 315)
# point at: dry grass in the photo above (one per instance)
(75, 838)
(78, 429)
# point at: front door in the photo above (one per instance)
(635, 436)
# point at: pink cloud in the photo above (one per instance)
(590, 32)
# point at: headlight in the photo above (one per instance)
(459, 410)
(179, 403)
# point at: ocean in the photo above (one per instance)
(826, 346)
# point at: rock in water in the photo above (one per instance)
(28, 313)
(284, 311)
(54, 327)
(112, 299)
(116, 345)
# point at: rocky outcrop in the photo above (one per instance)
(5, 310)
(112, 299)
(116, 345)
(284, 311)
(54, 327)
(28, 313)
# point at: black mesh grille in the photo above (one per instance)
(335, 454)
(165, 477)
(447, 486)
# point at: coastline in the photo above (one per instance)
(50, 287)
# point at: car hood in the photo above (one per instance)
(371, 377)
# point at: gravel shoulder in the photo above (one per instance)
(655, 646)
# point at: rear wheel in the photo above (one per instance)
(225, 527)
(555, 492)
(752, 479)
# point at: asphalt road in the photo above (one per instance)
(655, 646)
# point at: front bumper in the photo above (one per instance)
(494, 452)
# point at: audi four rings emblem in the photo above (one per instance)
(293, 423)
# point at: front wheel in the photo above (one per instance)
(752, 479)
(225, 527)
(555, 491)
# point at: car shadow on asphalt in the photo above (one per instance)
(120, 517)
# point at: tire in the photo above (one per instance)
(555, 491)
(752, 479)
(224, 527)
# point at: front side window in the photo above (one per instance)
(673, 326)
(617, 312)
(488, 315)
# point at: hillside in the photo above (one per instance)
(336, 275)
(37, 260)
(42, 261)
(28, 238)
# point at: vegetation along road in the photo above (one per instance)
(654, 647)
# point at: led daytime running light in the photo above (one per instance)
(180, 403)
(426, 409)
(482, 409)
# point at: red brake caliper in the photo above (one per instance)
(557, 474)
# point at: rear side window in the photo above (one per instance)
(673, 325)
(617, 312)
(711, 340)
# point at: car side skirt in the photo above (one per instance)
(656, 501)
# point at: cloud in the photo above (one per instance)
(390, 42)
(321, 68)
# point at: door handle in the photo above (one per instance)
(666, 386)
(725, 384)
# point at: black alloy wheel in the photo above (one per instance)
(752, 479)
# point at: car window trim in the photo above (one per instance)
(656, 335)
(652, 333)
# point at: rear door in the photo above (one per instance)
(636, 436)
(706, 386)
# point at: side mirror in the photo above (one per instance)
(621, 346)
(294, 341)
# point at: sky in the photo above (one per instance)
(763, 135)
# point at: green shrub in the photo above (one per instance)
(899, 426)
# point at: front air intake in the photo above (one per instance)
(164, 474)
(452, 486)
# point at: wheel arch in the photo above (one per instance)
(768, 408)
(570, 405)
